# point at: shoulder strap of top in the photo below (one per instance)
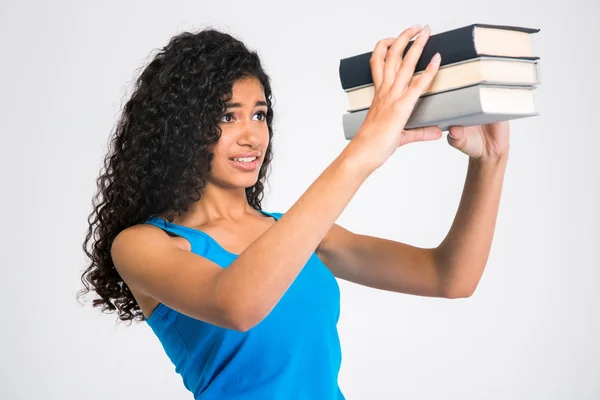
(174, 230)
(198, 246)
(275, 215)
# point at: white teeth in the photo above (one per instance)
(245, 159)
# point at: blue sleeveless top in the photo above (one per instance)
(294, 353)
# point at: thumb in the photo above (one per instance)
(456, 136)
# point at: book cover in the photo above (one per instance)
(455, 45)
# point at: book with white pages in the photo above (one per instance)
(472, 105)
(481, 70)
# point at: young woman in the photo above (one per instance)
(245, 301)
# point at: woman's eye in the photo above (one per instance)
(226, 115)
(229, 115)
(264, 115)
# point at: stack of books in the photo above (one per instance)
(487, 74)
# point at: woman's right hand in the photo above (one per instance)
(396, 94)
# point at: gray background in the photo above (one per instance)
(531, 329)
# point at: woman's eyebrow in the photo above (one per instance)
(233, 105)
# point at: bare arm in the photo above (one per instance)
(286, 247)
(451, 270)
(244, 293)
(382, 263)
(462, 255)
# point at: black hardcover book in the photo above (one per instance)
(455, 45)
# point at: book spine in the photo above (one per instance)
(454, 46)
(366, 93)
(462, 107)
(431, 110)
(351, 122)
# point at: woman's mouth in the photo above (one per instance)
(245, 163)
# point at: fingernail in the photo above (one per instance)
(416, 26)
(425, 29)
(436, 58)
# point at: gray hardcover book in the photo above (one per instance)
(473, 105)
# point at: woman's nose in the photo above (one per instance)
(250, 135)
(251, 139)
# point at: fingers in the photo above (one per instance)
(377, 60)
(422, 134)
(422, 82)
(395, 54)
(407, 68)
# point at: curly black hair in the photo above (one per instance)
(160, 154)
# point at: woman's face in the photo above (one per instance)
(244, 130)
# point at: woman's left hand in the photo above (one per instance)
(481, 142)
